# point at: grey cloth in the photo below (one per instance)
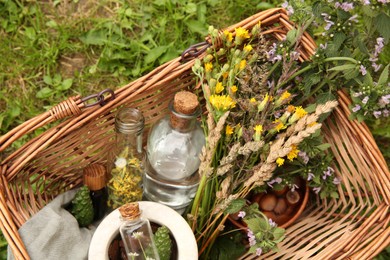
(53, 233)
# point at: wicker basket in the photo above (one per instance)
(356, 226)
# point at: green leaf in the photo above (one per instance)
(338, 40)
(382, 22)
(44, 93)
(52, 24)
(257, 224)
(368, 79)
(190, 8)
(66, 84)
(384, 77)
(196, 26)
(30, 33)
(292, 36)
(155, 53)
(94, 37)
(235, 206)
(48, 80)
(343, 67)
(14, 111)
(278, 234)
(334, 195)
(323, 147)
(264, 6)
(311, 108)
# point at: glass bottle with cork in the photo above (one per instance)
(136, 233)
(94, 176)
(124, 162)
(173, 148)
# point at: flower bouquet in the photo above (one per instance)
(265, 108)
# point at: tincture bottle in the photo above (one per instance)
(95, 178)
(136, 233)
(125, 159)
(173, 147)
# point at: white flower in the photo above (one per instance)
(137, 235)
(120, 162)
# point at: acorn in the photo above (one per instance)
(281, 206)
(268, 202)
(293, 197)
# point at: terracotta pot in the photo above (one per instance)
(284, 220)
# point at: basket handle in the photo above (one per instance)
(73, 106)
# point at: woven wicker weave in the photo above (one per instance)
(356, 226)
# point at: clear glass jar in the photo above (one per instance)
(136, 233)
(125, 159)
(173, 148)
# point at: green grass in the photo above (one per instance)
(51, 50)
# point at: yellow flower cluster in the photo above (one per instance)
(279, 125)
(293, 153)
(241, 34)
(219, 88)
(222, 102)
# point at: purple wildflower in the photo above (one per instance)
(259, 251)
(379, 46)
(294, 55)
(365, 99)
(271, 54)
(251, 238)
(386, 113)
(357, 94)
(277, 114)
(294, 187)
(317, 189)
(376, 66)
(347, 6)
(329, 23)
(276, 180)
(353, 18)
(385, 99)
(241, 214)
(356, 108)
(336, 181)
(323, 46)
(304, 156)
(329, 171)
(366, 2)
(289, 8)
(377, 114)
(310, 176)
(383, 1)
(272, 223)
(363, 70)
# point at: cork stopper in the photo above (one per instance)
(95, 176)
(184, 110)
(185, 102)
(130, 211)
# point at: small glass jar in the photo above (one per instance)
(136, 233)
(124, 162)
(174, 144)
(94, 176)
